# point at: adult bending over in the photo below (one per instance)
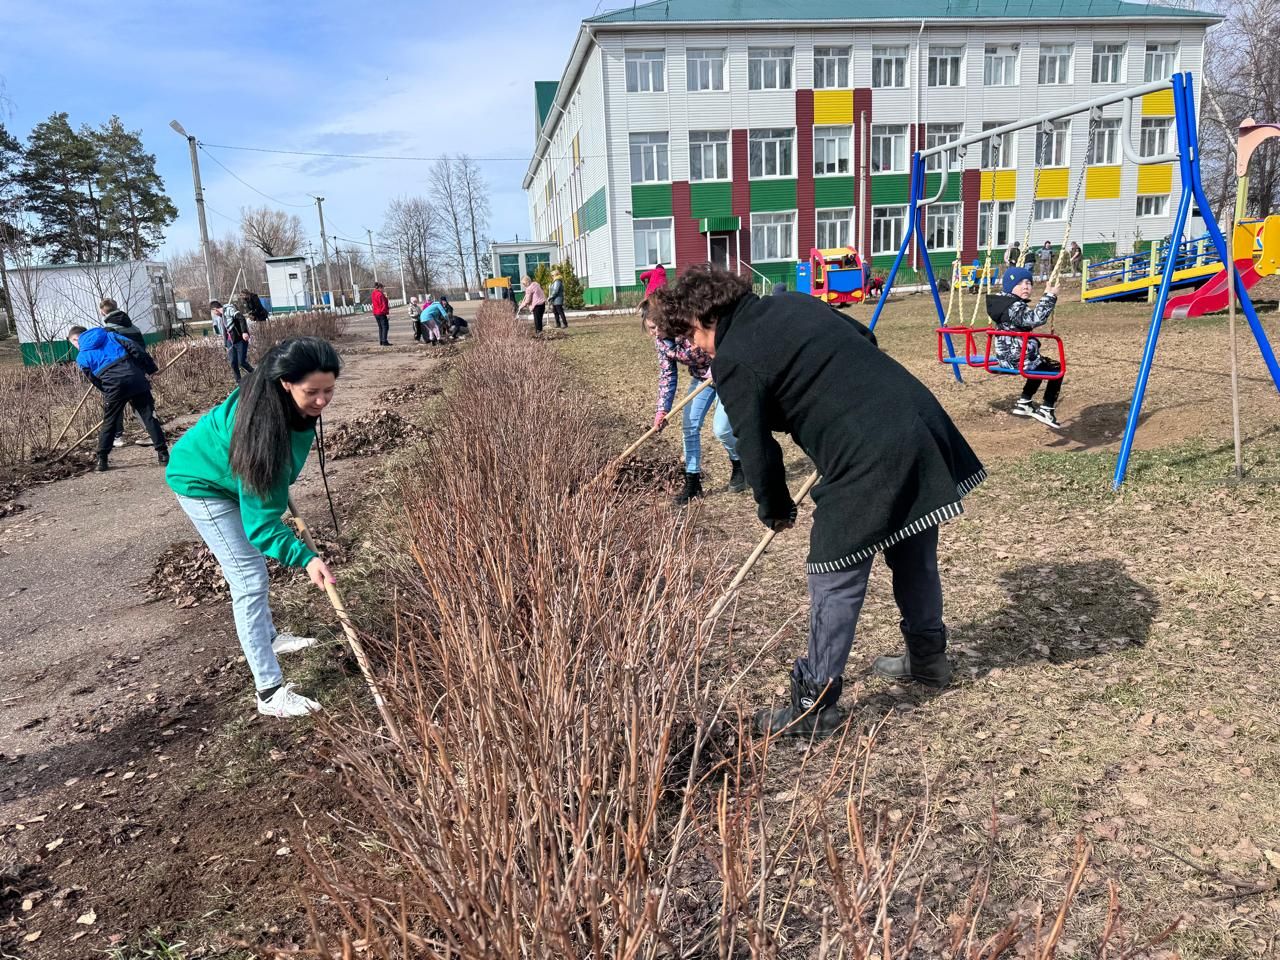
(119, 368)
(535, 299)
(893, 467)
(232, 472)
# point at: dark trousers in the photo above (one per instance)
(835, 601)
(113, 405)
(1052, 387)
(558, 310)
(238, 357)
(384, 327)
(538, 311)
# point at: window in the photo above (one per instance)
(1153, 206)
(773, 236)
(830, 68)
(645, 71)
(998, 153)
(835, 227)
(769, 68)
(1153, 136)
(1050, 209)
(1000, 65)
(944, 66)
(1108, 62)
(1055, 63)
(888, 226)
(889, 66)
(1161, 61)
(1004, 224)
(936, 134)
(830, 150)
(653, 242)
(769, 153)
(1053, 142)
(888, 148)
(705, 67)
(1106, 143)
(708, 155)
(942, 226)
(649, 158)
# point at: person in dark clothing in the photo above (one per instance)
(235, 335)
(555, 297)
(1013, 311)
(117, 321)
(893, 468)
(456, 326)
(119, 368)
(254, 306)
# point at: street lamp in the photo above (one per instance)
(204, 225)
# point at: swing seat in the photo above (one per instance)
(992, 364)
(969, 356)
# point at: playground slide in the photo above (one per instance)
(1213, 295)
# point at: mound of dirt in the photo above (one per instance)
(188, 574)
(17, 478)
(650, 476)
(372, 433)
(398, 396)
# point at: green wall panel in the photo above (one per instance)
(650, 200)
(711, 199)
(769, 195)
(933, 180)
(834, 192)
(593, 214)
(889, 188)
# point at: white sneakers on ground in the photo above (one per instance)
(288, 643)
(286, 703)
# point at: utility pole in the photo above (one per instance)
(373, 257)
(351, 275)
(315, 284)
(404, 291)
(204, 226)
(324, 243)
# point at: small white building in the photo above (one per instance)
(520, 259)
(49, 299)
(287, 284)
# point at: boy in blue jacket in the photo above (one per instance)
(119, 368)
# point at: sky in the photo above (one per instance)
(376, 77)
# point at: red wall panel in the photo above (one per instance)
(805, 219)
(690, 246)
(742, 192)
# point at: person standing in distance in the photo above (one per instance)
(381, 314)
(235, 335)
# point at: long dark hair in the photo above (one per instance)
(261, 450)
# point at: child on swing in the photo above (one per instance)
(1012, 310)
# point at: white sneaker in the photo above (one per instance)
(1046, 416)
(1023, 408)
(287, 704)
(288, 643)
(118, 442)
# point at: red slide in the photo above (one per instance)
(1213, 295)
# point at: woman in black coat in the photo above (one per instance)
(893, 468)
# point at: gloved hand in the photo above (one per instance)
(659, 421)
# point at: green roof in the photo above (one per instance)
(544, 94)
(711, 11)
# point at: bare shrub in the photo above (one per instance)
(284, 326)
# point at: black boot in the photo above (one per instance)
(812, 711)
(103, 466)
(925, 661)
(737, 480)
(692, 488)
(163, 457)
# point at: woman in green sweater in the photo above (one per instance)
(232, 472)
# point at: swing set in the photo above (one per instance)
(1186, 155)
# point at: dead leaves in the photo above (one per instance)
(372, 433)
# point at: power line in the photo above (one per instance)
(373, 156)
(260, 193)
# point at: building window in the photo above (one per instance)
(1049, 210)
(1108, 63)
(1153, 206)
(1000, 65)
(649, 158)
(708, 155)
(945, 65)
(888, 148)
(889, 66)
(831, 150)
(1106, 143)
(998, 153)
(1053, 145)
(1055, 63)
(942, 226)
(888, 227)
(1153, 136)
(769, 153)
(769, 68)
(773, 236)
(653, 242)
(937, 134)
(830, 68)
(705, 66)
(1161, 61)
(835, 227)
(1004, 224)
(645, 71)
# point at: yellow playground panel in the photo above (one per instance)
(497, 288)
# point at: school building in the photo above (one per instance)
(747, 132)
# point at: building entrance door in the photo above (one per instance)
(718, 250)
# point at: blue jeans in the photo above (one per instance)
(238, 356)
(695, 412)
(219, 524)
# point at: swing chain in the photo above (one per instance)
(957, 272)
(985, 281)
(1095, 121)
(1045, 134)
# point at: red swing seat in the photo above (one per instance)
(987, 360)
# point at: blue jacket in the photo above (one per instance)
(113, 362)
(435, 312)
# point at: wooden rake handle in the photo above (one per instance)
(353, 638)
(72, 419)
(621, 458)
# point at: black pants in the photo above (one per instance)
(238, 357)
(1052, 387)
(538, 311)
(558, 310)
(113, 405)
(384, 327)
(417, 330)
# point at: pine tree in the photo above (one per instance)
(59, 179)
(574, 298)
(131, 194)
(542, 275)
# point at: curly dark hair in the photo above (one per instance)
(701, 296)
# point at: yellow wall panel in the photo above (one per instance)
(1052, 183)
(832, 107)
(577, 229)
(1158, 104)
(1155, 178)
(1006, 185)
(1102, 183)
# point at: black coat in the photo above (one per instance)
(127, 377)
(255, 308)
(117, 321)
(891, 460)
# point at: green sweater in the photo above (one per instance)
(200, 467)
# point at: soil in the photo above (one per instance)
(142, 798)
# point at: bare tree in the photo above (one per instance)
(475, 195)
(447, 191)
(412, 225)
(234, 264)
(274, 232)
